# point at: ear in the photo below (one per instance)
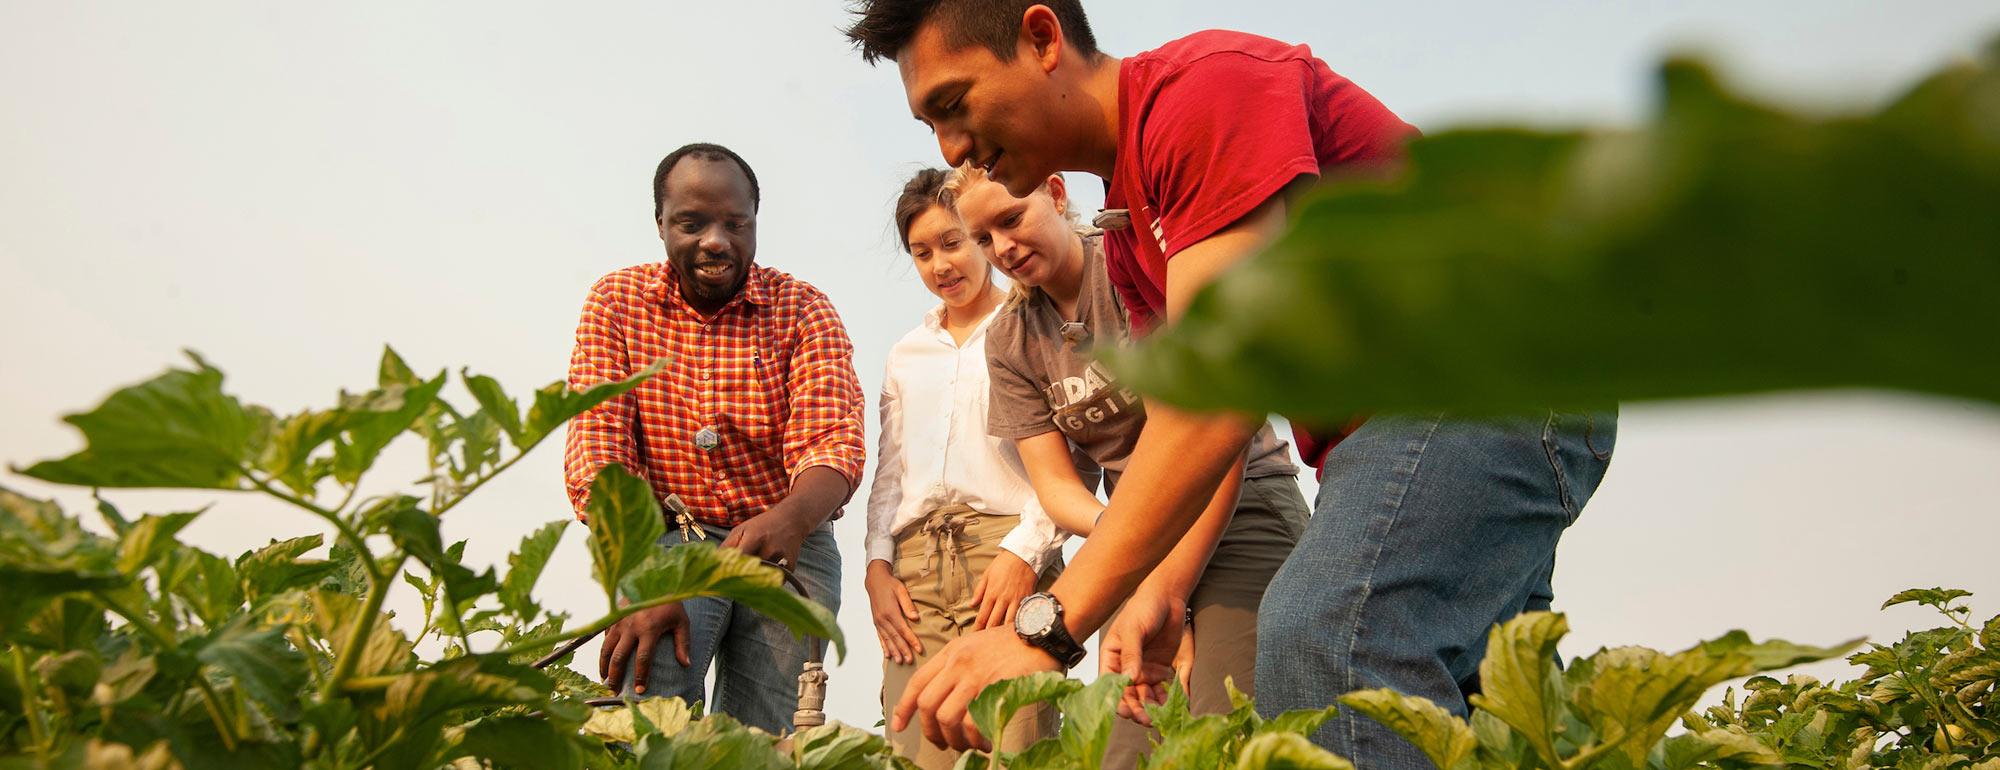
(1059, 190)
(1041, 37)
(660, 223)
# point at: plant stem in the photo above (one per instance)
(30, 712)
(349, 656)
(595, 626)
(481, 481)
(347, 533)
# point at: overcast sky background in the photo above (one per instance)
(287, 186)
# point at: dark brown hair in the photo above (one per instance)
(886, 26)
(923, 191)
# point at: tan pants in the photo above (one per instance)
(1270, 516)
(940, 560)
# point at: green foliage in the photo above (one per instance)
(1724, 247)
(138, 650)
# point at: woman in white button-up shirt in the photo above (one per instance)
(955, 535)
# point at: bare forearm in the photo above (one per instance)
(815, 494)
(1070, 506)
(1181, 570)
(1179, 461)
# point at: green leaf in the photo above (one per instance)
(1286, 751)
(524, 567)
(406, 723)
(1724, 247)
(1445, 738)
(994, 706)
(496, 404)
(1774, 654)
(714, 741)
(1939, 598)
(277, 568)
(385, 650)
(288, 456)
(517, 742)
(261, 662)
(152, 536)
(625, 525)
(209, 585)
(835, 746)
(177, 430)
(72, 671)
(555, 403)
(689, 571)
(1088, 714)
(1514, 678)
(372, 420)
(661, 715)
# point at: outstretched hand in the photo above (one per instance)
(1150, 642)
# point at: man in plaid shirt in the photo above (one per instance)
(755, 424)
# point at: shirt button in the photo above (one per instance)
(704, 374)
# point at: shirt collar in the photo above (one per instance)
(934, 320)
(664, 289)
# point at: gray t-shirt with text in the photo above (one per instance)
(1042, 381)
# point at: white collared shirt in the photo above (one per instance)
(935, 451)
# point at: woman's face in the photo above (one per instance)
(1025, 237)
(952, 266)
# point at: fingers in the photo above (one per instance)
(642, 662)
(909, 614)
(604, 652)
(906, 707)
(735, 538)
(979, 592)
(614, 677)
(952, 714)
(683, 635)
(1007, 619)
(894, 645)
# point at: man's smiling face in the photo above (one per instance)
(995, 114)
(708, 220)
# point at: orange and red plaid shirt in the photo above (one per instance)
(772, 373)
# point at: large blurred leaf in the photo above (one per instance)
(699, 570)
(524, 567)
(406, 721)
(177, 430)
(625, 523)
(665, 715)
(1724, 247)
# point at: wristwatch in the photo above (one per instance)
(1039, 622)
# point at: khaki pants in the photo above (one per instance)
(1270, 516)
(940, 560)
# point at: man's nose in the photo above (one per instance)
(714, 241)
(956, 146)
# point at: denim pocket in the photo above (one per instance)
(1553, 434)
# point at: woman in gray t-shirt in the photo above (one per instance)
(1069, 415)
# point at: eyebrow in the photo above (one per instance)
(938, 93)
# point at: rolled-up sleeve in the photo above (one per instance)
(603, 435)
(827, 405)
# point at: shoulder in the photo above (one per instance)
(1004, 334)
(1220, 47)
(627, 283)
(786, 289)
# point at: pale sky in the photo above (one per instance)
(286, 187)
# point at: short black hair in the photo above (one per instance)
(886, 26)
(705, 151)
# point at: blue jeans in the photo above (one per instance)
(757, 660)
(1427, 532)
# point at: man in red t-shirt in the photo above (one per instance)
(1428, 529)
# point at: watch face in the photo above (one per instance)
(1037, 615)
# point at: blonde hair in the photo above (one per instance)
(968, 175)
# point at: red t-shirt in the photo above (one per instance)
(1212, 125)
